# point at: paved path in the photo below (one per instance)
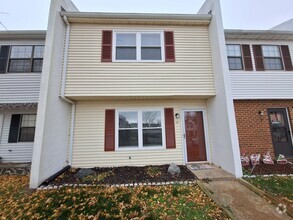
(14, 168)
(239, 201)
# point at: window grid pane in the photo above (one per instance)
(233, 50)
(126, 39)
(126, 53)
(19, 65)
(21, 52)
(27, 128)
(37, 65)
(273, 64)
(235, 63)
(39, 51)
(151, 53)
(153, 40)
(271, 51)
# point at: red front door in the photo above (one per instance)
(194, 136)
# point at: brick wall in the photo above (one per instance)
(254, 130)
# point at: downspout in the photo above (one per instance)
(62, 95)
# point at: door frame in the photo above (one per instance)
(288, 121)
(206, 134)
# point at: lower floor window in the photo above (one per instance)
(140, 129)
(27, 128)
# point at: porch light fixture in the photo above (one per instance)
(177, 116)
(261, 113)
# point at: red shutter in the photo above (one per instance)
(169, 46)
(106, 46)
(247, 58)
(258, 58)
(286, 58)
(109, 130)
(170, 128)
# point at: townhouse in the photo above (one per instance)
(261, 74)
(21, 58)
(134, 89)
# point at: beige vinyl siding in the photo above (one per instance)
(88, 149)
(190, 75)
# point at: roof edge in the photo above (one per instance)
(257, 32)
(23, 34)
(150, 16)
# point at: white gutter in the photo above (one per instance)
(62, 96)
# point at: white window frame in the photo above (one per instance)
(138, 46)
(266, 57)
(140, 130)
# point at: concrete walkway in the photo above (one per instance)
(236, 199)
(15, 168)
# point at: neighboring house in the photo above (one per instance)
(262, 86)
(135, 89)
(21, 58)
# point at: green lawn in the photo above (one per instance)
(142, 202)
(277, 186)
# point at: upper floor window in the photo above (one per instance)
(21, 59)
(234, 57)
(138, 46)
(272, 57)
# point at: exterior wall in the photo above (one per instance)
(262, 84)
(254, 130)
(51, 138)
(88, 148)
(191, 74)
(14, 152)
(20, 87)
(220, 109)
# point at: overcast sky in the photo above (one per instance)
(237, 14)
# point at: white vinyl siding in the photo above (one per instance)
(269, 84)
(20, 87)
(190, 75)
(14, 152)
(88, 149)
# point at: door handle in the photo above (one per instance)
(184, 135)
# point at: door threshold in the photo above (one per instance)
(198, 162)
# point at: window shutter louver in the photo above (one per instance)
(258, 58)
(4, 52)
(14, 128)
(170, 128)
(286, 58)
(106, 46)
(247, 58)
(169, 46)
(109, 130)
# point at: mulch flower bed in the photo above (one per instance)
(267, 169)
(125, 175)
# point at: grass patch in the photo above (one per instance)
(95, 178)
(141, 202)
(153, 171)
(278, 186)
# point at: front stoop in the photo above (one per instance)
(212, 173)
(237, 200)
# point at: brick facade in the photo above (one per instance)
(253, 129)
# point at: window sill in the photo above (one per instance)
(138, 61)
(140, 149)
